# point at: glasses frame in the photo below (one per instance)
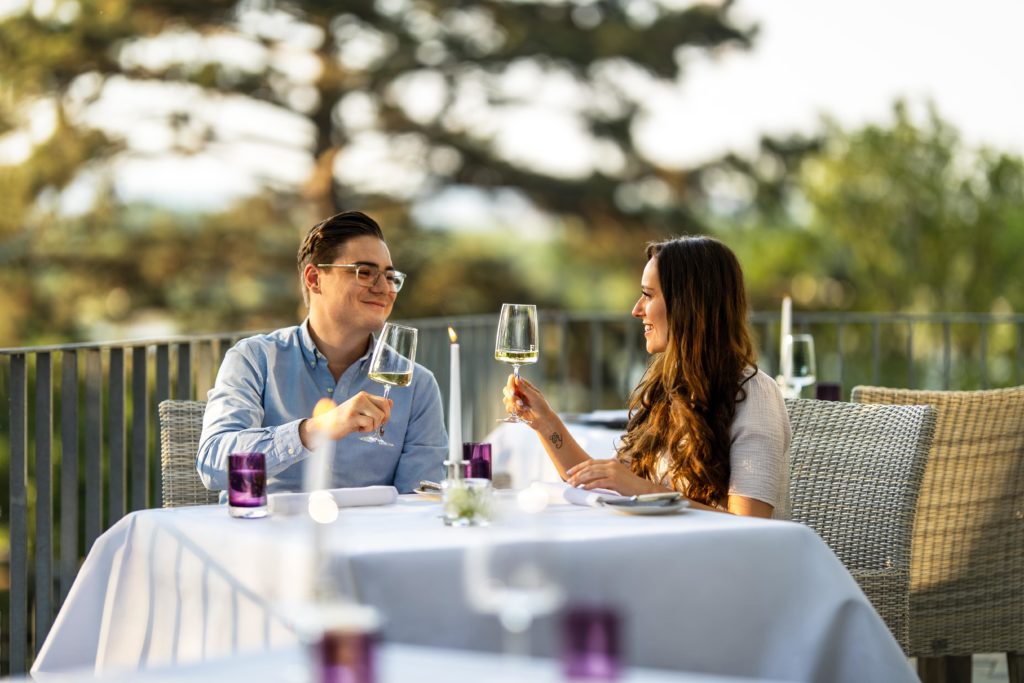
(395, 285)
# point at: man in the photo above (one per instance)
(268, 384)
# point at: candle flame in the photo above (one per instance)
(323, 406)
(451, 335)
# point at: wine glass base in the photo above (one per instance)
(373, 438)
(514, 419)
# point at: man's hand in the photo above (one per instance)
(364, 412)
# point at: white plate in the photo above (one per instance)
(427, 494)
(649, 509)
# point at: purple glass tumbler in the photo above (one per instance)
(477, 457)
(247, 485)
(828, 391)
(346, 657)
(590, 644)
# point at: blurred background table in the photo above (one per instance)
(518, 452)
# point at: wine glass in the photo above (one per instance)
(517, 590)
(798, 361)
(517, 342)
(391, 365)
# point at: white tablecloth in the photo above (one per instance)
(395, 664)
(700, 591)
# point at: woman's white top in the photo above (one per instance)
(759, 453)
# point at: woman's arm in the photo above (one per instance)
(748, 507)
(615, 476)
(527, 401)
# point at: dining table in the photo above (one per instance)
(392, 663)
(696, 591)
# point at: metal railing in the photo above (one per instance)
(93, 434)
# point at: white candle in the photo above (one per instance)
(454, 403)
(786, 330)
(316, 474)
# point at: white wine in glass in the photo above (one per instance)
(517, 342)
(392, 363)
(798, 356)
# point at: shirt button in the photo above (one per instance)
(291, 451)
(312, 364)
(330, 390)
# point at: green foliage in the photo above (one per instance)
(63, 276)
(898, 218)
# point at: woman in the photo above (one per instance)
(704, 420)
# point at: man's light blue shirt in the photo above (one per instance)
(269, 383)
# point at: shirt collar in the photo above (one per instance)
(309, 350)
(313, 355)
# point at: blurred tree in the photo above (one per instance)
(369, 104)
(902, 217)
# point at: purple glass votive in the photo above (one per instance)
(247, 485)
(477, 457)
(346, 657)
(828, 391)
(590, 647)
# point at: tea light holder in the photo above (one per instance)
(247, 485)
(591, 643)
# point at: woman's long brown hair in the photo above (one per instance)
(685, 404)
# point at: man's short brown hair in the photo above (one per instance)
(326, 238)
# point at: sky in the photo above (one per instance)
(846, 60)
(852, 60)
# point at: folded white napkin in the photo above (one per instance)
(563, 493)
(297, 503)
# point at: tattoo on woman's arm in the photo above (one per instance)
(556, 440)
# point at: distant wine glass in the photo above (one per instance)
(798, 361)
(517, 342)
(392, 364)
(517, 591)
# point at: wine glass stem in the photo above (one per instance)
(515, 371)
(387, 388)
(516, 644)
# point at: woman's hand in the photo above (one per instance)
(612, 475)
(526, 401)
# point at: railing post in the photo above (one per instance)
(184, 388)
(43, 474)
(140, 430)
(629, 341)
(19, 513)
(565, 364)
(947, 353)
(876, 352)
(596, 366)
(983, 353)
(204, 368)
(68, 471)
(840, 352)
(116, 417)
(1019, 348)
(910, 355)
(161, 393)
(93, 446)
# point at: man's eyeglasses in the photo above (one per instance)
(368, 276)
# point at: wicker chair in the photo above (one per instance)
(855, 472)
(180, 425)
(967, 556)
